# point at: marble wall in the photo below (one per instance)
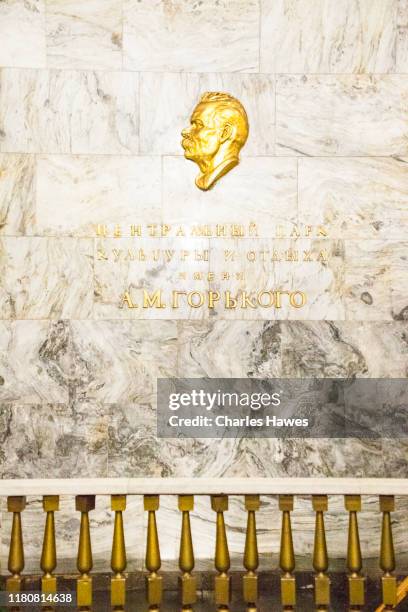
(93, 96)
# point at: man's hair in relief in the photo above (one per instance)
(230, 107)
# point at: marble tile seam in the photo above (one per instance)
(206, 72)
(398, 157)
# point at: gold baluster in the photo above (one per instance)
(154, 585)
(287, 554)
(387, 555)
(251, 558)
(84, 504)
(320, 557)
(49, 549)
(354, 558)
(188, 583)
(118, 558)
(219, 504)
(16, 553)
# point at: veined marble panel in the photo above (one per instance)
(344, 349)
(180, 35)
(402, 42)
(84, 34)
(342, 115)
(321, 281)
(35, 361)
(104, 117)
(304, 349)
(402, 17)
(176, 94)
(17, 197)
(249, 349)
(119, 361)
(376, 274)
(363, 198)
(279, 458)
(33, 111)
(151, 265)
(395, 458)
(69, 111)
(135, 451)
(328, 36)
(261, 190)
(40, 278)
(53, 440)
(22, 29)
(76, 193)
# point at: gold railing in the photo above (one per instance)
(218, 490)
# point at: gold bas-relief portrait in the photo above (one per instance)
(218, 131)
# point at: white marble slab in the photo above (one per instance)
(119, 361)
(261, 190)
(176, 94)
(84, 34)
(104, 117)
(68, 439)
(342, 349)
(55, 111)
(34, 111)
(320, 282)
(22, 26)
(34, 361)
(40, 278)
(120, 268)
(17, 194)
(250, 349)
(134, 449)
(342, 115)
(180, 35)
(402, 42)
(375, 271)
(357, 198)
(76, 193)
(328, 36)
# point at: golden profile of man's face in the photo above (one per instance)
(218, 130)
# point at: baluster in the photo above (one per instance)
(219, 504)
(118, 558)
(251, 558)
(154, 585)
(16, 553)
(354, 558)
(188, 583)
(320, 557)
(49, 549)
(84, 504)
(387, 555)
(287, 554)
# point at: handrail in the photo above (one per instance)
(204, 486)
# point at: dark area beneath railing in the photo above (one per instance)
(269, 587)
